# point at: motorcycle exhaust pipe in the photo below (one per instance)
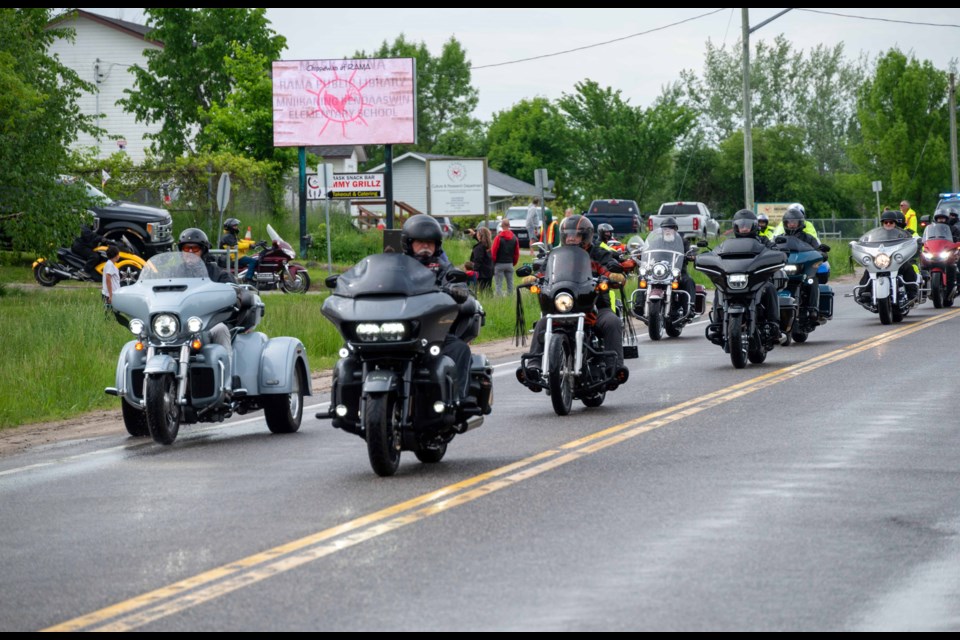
(472, 423)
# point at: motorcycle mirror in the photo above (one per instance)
(539, 246)
(825, 248)
(456, 276)
(331, 281)
(780, 239)
(525, 270)
(635, 243)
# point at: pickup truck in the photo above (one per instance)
(693, 219)
(622, 215)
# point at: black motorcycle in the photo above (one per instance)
(574, 363)
(393, 386)
(739, 268)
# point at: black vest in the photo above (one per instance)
(506, 249)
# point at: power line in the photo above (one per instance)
(847, 15)
(598, 44)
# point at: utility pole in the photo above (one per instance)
(747, 119)
(955, 182)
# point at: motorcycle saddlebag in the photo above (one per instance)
(700, 300)
(826, 301)
(788, 311)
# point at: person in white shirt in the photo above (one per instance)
(111, 275)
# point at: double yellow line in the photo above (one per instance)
(209, 585)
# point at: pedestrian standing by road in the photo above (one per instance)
(111, 276)
(533, 223)
(505, 253)
(910, 215)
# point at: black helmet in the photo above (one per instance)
(745, 224)
(231, 224)
(425, 228)
(901, 219)
(604, 231)
(670, 223)
(793, 220)
(953, 213)
(888, 214)
(941, 213)
(194, 236)
(578, 226)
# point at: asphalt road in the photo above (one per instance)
(815, 492)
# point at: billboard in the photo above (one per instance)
(774, 211)
(344, 102)
(457, 187)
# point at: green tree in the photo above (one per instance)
(39, 119)
(185, 79)
(445, 99)
(532, 134)
(621, 151)
(904, 123)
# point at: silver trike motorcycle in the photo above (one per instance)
(196, 356)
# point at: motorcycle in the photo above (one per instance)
(275, 268)
(882, 252)
(938, 258)
(803, 273)
(392, 385)
(70, 266)
(176, 371)
(739, 268)
(574, 363)
(658, 301)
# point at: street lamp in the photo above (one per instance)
(747, 133)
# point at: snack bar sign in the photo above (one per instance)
(357, 185)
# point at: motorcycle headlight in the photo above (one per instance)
(194, 324)
(791, 269)
(659, 270)
(166, 325)
(882, 261)
(386, 331)
(945, 254)
(643, 270)
(563, 302)
(675, 272)
(737, 280)
(929, 255)
(136, 326)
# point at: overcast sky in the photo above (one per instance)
(637, 51)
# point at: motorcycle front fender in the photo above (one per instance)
(380, 381)
(161, 363)
(38, 261)
(881, 288)
(736, 310)
(656, 293)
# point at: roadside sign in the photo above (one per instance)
(356, 185)
(223, 192)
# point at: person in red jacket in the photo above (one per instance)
(505, 254)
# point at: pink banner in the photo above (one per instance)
(344, 102)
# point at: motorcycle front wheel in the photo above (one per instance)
(44, 275)
(383, 436)
(162, 410)
(885, 309)
(656, 322)
(298, 283)
(936, 291)
(561, 375)
(284, 411)
(736, 341)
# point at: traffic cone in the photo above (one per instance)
(249, 235)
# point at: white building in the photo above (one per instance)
(102, 53)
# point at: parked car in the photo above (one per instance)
(447, 226)
(518, 224)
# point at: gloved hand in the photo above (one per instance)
(528, 280)
(618, 278)
(459, 294)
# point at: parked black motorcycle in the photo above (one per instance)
(393, 386)
(574, 363)
(739, 268)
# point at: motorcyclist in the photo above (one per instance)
(422, 239)
(84, 244)
(194, 241)
(807, 225)
(231, 240)
(578, 231)
(942, 216)
(671, 230)
(745, 225)
(794, 223)
(953, 218)
(763, 228)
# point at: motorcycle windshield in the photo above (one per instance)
(740, 247)
(280, 243)
(937, 231)
(384, 274)
(662, 249)
(793, 244)
(568, 264)
(883, 236)
(174, 264)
